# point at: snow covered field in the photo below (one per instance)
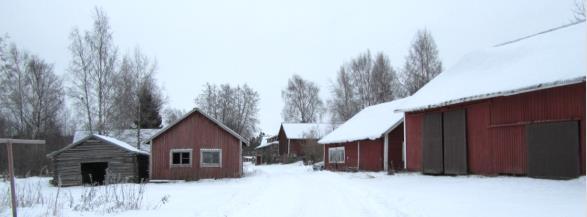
(296, 190)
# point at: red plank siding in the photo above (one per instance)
(350, 158)
(371, 155)
(509, 154)
(480, 154)
(413, 122)
(283, 149)
(195, 132)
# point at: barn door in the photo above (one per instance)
(432, 154)
(553, 149)
(455, 142)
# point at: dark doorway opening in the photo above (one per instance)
(94, 173)
(143, 161)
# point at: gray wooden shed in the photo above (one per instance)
(98, 159)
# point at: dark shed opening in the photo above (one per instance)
(143, 163)
(553, 150)
(94, 173)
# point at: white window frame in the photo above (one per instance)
(202, 164)
(172, 151)
(330, 150)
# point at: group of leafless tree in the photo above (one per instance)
(362, 82)
(31, 94)
(111, 93)
(31, 106)
(236, 107)
(106, 91)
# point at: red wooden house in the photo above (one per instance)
(371, 140)
(194, 147)
(517, 108)
(293, 137)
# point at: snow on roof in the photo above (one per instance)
(106, 139)
(370, 123)
(548, 59)
(307, 130)
(264, 142)
(120, 144)
(128, 136)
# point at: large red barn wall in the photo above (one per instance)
(195, 132)
(496, 127)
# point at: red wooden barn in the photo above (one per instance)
(371, 140)
(517, 108)
(294, 136)
(194, 147)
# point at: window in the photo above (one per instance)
(336, 155)
(180, 158)
(210, 157)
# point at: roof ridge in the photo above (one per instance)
(539, 33)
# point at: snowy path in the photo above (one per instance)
(295, 190)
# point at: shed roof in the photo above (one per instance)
(370, 123)
(307, 130)
(551, 58)
(264, 142)
(128, 136)
(226, 128)
(106, 139)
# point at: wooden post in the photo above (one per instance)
(9, 143)
(11, 175)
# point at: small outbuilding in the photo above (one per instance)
(517, 108)
(371, 140)
(268, 151)
(196, 146)
(98, 159)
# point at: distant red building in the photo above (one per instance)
(295, 138)
(196, 146)
(517, 108)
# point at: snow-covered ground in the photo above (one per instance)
(296, 190)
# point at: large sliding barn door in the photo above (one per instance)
(553, 150)
(455, 142)
(432, 151)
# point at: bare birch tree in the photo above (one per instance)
(236, 107)
(422, 63)
(302, 101)
(170, 115)
(362, 82)
(579, 11)
(93, 70)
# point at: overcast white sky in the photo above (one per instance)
(263, 42)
